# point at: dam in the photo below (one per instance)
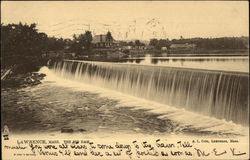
(219, 94)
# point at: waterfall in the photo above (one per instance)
(219, 94)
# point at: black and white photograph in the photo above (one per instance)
(124, 80)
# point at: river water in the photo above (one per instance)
(105, 100)
(237, 64)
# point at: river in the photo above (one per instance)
(123, 98)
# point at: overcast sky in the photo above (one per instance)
(132, 20)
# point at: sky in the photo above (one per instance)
(130, 19)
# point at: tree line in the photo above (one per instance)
(19, 42)
(204, 43)
(22, 42)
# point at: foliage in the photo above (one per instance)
(81, 42)
(205, 43)
(158, 44)
(24, 47)
(56, 44)
(153, 42)
(22, 40)
(86, 39)
(21, 43)
(221, 43)
(138, 43)
(131, 43)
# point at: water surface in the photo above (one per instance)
(58, 103)
(236, 63)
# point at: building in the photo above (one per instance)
(164, 48)
(101, 41)
(182, 46)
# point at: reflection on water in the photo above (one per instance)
(238, 64)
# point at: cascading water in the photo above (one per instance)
(219, 94)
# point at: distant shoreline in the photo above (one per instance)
(198, 52)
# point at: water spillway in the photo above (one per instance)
(220, 94)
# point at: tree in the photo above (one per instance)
(161, 43)
(153, 42)
(22, 45)
(87, 39)
(81, 42)
(138, 43)
(22, 40)
(131, 43)
(56, 44)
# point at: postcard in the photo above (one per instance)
(124, 80)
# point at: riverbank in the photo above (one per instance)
(187, 53)
(113, 55)
(20, 72)
(22, 80)
(117, 55)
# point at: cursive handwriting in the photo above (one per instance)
(136, 149)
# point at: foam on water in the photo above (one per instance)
(221, 94)
(185, 119)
